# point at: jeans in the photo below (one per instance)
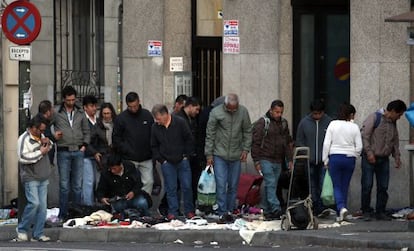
(70, 179)
(271, 173)
(227, 175)
(196, 169)
(341, 169)
(89, 179)
(171, 172)
(381, 169)
(317, 173)
(138, 202)
(35, 210)
(145, 168)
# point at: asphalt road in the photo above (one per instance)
(81, 246)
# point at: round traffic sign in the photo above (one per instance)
(21, 22)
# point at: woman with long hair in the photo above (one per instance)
(107, 116)
(341, 147)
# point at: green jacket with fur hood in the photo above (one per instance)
(228, 133)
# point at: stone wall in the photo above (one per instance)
(380, 73)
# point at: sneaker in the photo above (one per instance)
(42, 238)
(170, 217)
(190, 215)
(225, 219)
(325, 213)
(222, 219)
(383, 217)
(21, 236)
(343, 214)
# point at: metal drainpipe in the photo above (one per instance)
(1, 126)
(54, 53)
(411, 130)
(119, 58)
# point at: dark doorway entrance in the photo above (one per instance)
(206, 66)
(321, 54)
(206, 51)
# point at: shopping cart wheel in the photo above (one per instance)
(284, 224)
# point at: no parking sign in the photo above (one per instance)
(21, 22)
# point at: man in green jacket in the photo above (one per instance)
(228, 141)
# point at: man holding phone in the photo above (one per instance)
(123, 183)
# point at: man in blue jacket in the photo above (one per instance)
(132, 136)
(311, 133)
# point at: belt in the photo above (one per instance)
(68, 149)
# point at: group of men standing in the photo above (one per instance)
(138, 138)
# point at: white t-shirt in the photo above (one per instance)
(342, 137)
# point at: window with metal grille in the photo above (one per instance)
(79, 46)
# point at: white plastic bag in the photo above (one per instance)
(206, 189)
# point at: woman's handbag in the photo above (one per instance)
(206, 189)
(327, 194)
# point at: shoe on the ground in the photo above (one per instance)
(343, 213)
(190, 215)
(325, 213)
(21, 236)
(275, 215)
(163, 211)
(382, 217)
(222, 219)
(225, 219)
(42, 238)
(366, 216)
(171, 217)
(236, 212)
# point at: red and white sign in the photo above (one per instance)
(231, 45)
(21, 22)
(231, 27)
(154, 48)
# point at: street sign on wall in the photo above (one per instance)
(154, 48)
(21, 22)
(20, 53)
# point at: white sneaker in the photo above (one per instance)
(42, 238)
(21, 236)
(343, 214)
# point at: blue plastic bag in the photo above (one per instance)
(206, 189)
(409, 114)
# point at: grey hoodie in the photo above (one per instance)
(311, 133)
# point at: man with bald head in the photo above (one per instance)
(228, 141)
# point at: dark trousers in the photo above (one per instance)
(381, 169)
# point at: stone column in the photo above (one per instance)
(380, 73)
(143, 21)
(254, 74)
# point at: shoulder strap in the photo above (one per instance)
(265, 129)
(377, 119)
(284, 124)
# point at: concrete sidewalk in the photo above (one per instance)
(375, 234)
